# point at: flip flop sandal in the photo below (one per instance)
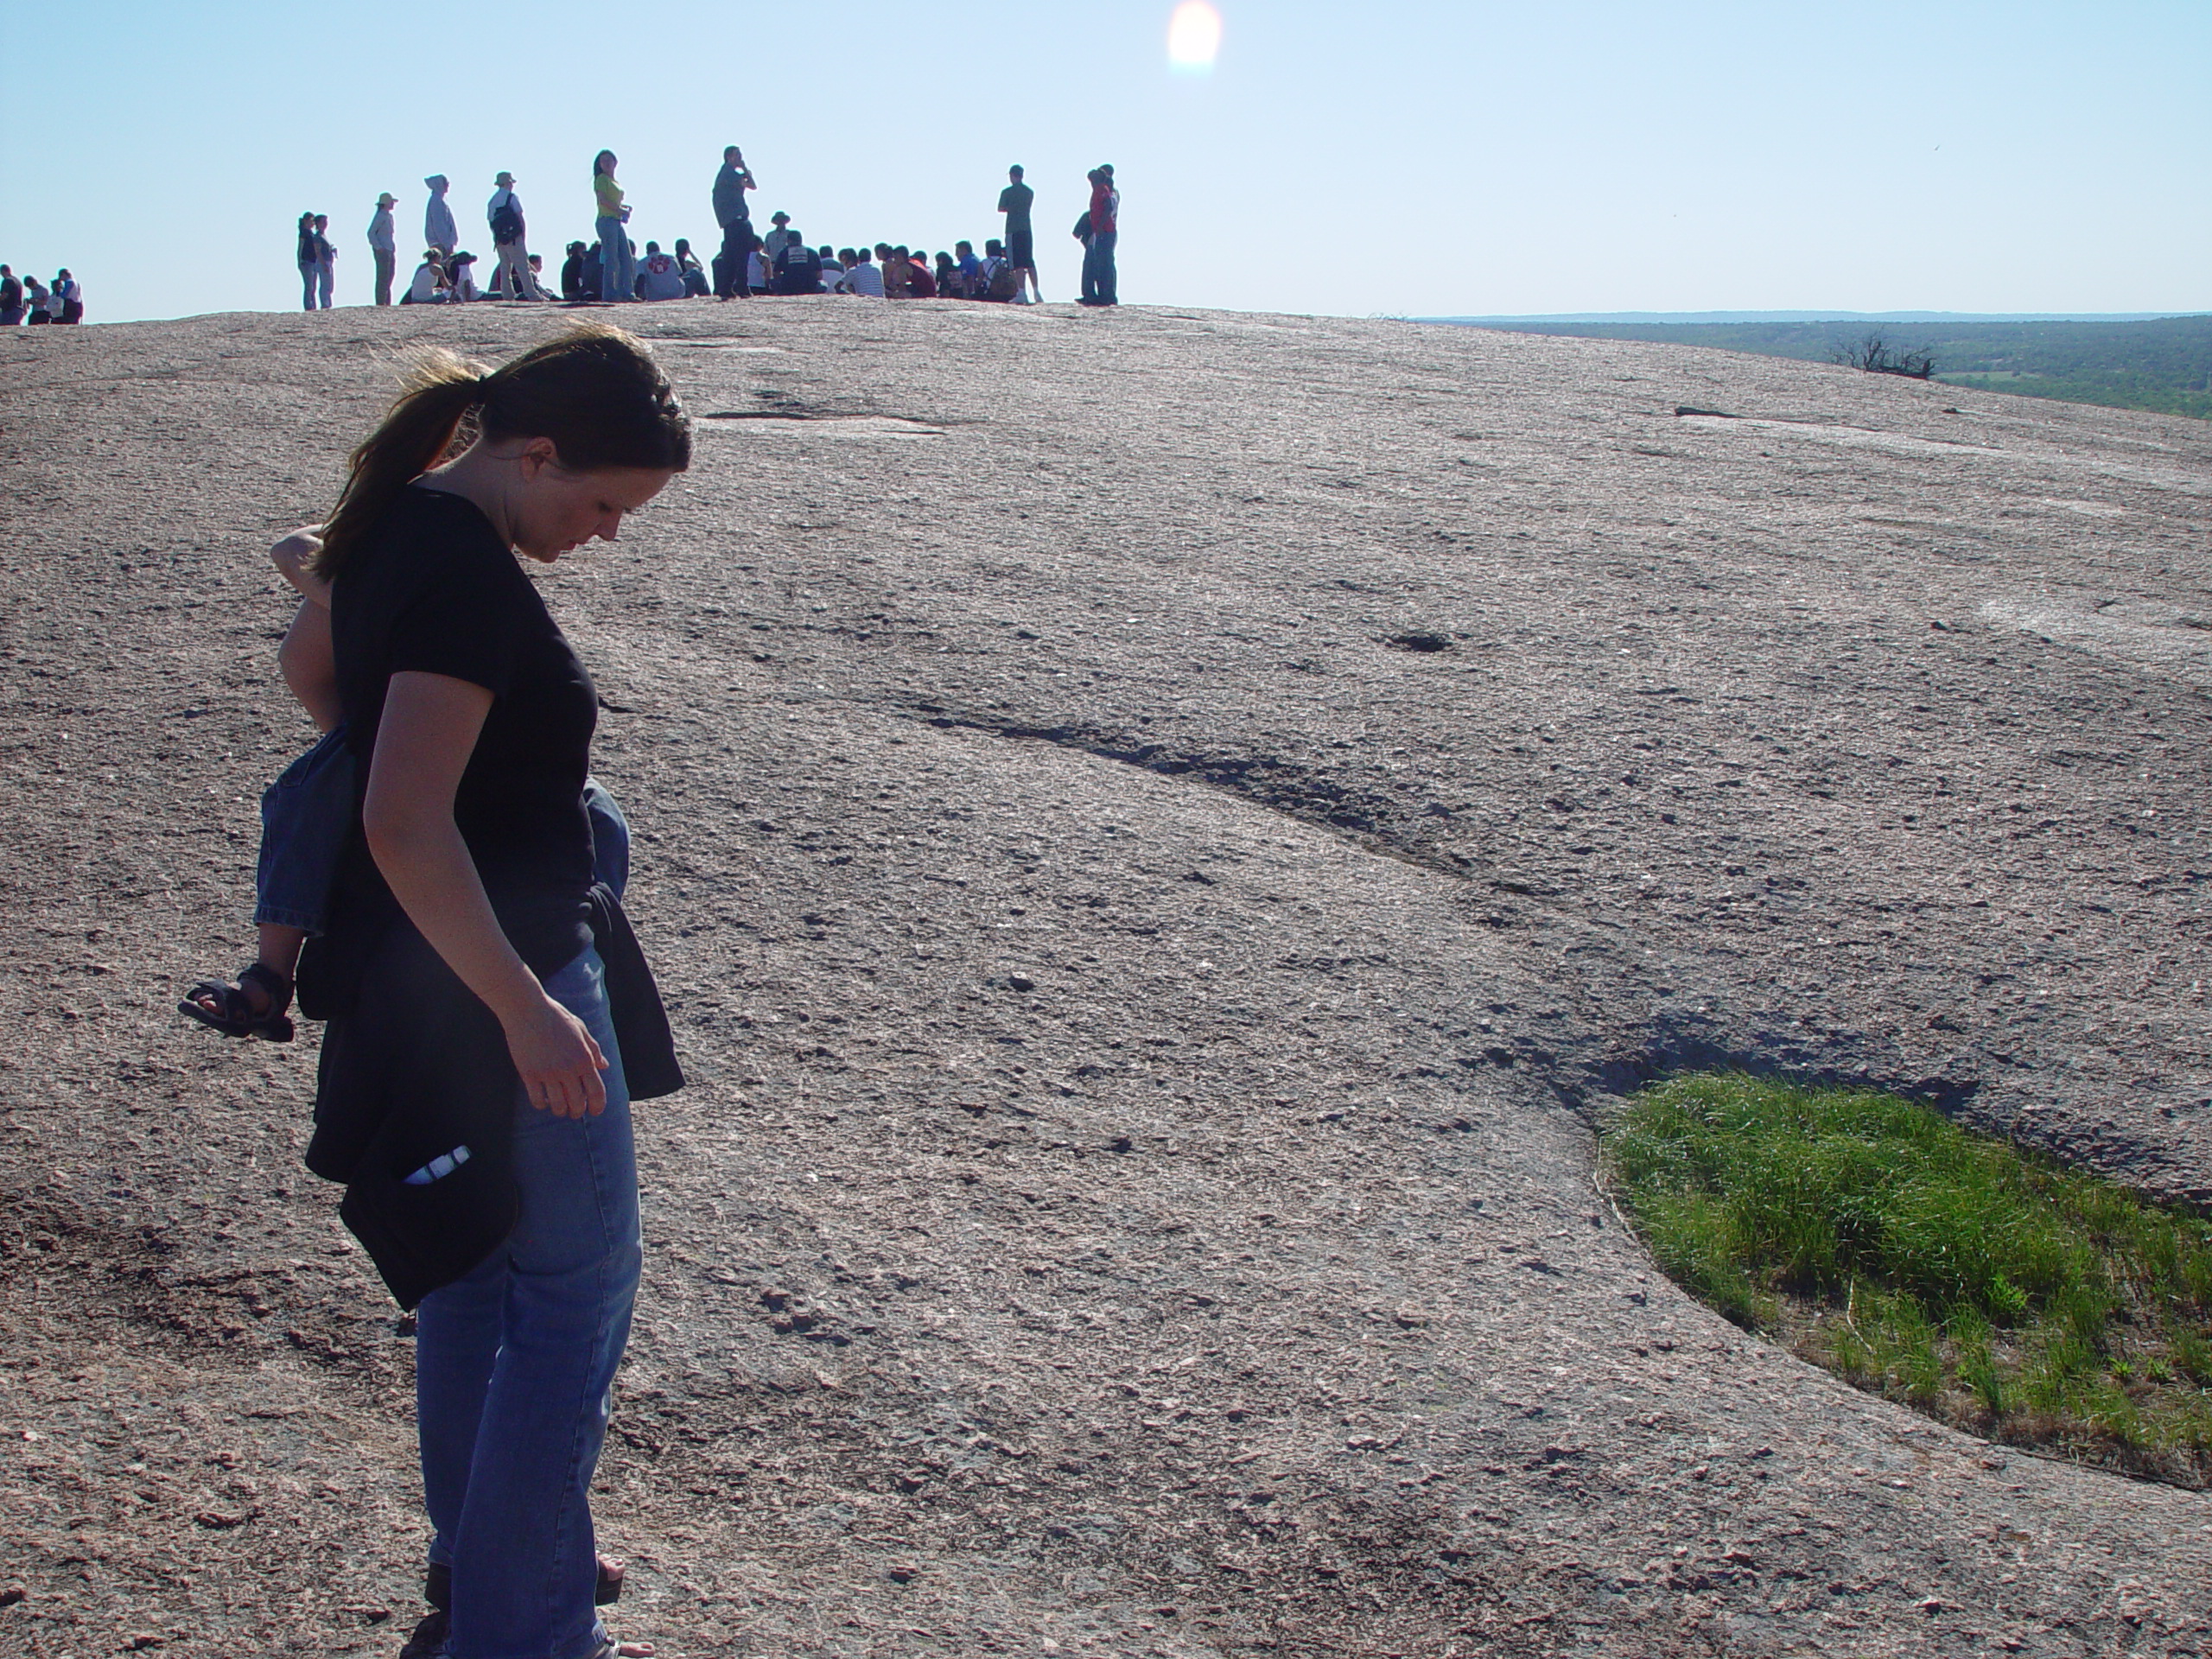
(234, 1015)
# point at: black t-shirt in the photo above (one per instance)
(1015, 200)
(435, 590)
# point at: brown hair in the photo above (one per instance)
(594, 391)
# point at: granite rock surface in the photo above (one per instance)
(1162, 832)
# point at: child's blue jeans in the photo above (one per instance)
(307, 812)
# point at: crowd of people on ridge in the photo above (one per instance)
(609, 269)
(26, 300)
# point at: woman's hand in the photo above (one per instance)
(559, 1062)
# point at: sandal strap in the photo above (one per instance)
(279, 986)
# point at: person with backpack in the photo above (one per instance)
(504, 213)
(1014, 202)
(736, 220)
(67, 301)
(383, 245)
(11, 299)
(999, 280)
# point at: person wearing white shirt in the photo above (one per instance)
(659, 277)
(503, 213)
(429, 287)
(863, 277)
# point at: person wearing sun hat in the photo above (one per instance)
(513, 277)
(383, 246)
(776, 239)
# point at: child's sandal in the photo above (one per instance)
(234, 1013)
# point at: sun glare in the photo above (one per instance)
(1193, 38)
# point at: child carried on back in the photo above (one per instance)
(307, 814)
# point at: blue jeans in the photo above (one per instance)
(1098, 274)
(514, 1374)
(307, 812)
(618, 266)
(305, 817)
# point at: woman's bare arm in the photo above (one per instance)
(429, 731)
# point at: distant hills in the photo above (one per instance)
(2158, 363)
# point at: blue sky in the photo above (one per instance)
(1389, 155)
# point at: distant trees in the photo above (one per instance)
(1876, 355)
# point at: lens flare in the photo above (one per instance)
(1193, 38)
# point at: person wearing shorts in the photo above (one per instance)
(1014, 202)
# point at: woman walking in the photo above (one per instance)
(491, 1016)
(617, 278)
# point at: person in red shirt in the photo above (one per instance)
(1098, 273)
(920, 284)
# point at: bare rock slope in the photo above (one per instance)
(1160, 831)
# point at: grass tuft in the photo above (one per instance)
(1984, 1284)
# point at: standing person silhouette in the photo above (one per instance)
(325, 259)
(514, 277)
(439, 230)
(1020, 249)
(383, 245)
(735, 218)
(618, 266)
(1099, 277)
(491, 1015)
(308, 259)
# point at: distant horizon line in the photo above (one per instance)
(1695, 317)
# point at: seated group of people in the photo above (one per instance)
(901, 275)
(784, 264)
(448, 279)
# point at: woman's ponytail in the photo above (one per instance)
(593, 390)
(439, 391)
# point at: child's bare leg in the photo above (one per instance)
(278, 949)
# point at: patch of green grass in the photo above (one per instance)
(1984, 1284)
